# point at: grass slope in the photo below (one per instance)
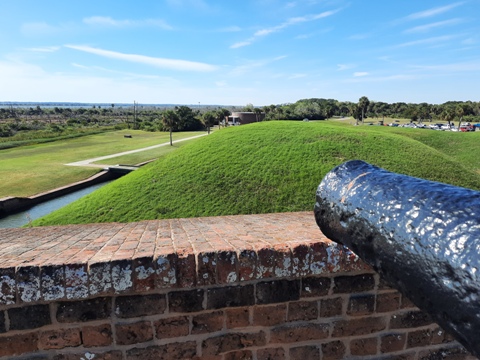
(261, 168)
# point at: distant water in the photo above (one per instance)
(24, 217)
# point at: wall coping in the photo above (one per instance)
(77, 262)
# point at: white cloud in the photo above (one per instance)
(428, 27)
(429, 41)
(38, 29)
(433, 11)
(297, 76)
(173, 64)
(289, 22)
(360, 73)
(342, 67)
(45, 49)
(251, 65)
(107, 21)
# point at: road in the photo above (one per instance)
(89, 162)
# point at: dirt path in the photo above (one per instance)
(89, 162)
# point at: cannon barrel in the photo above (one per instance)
(422, 237)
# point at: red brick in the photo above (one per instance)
(207, 323)
(315, 286)
(363, 347)
(166, 271)
(331, 307)
(352, 284)
(360, 326)
(447, 353)
(387, 302)
(302, 310)
(186, 301)
(233, 341)
(269, 315)
(29, 317)
(440, 336)
(136, 333)
(110, 355)
(277, 291)
(407, 303)
(207, 268)
(271, 354)
(333, 350)
(237, 318)
(230, 296)
(392, 342)
(186, 271)
(8, 286)
(283, 262)
(298, 332)
(140, 305)
(144, 274)
(361, 305)
(172, 351)
(411, 319)
(100, 335)
(227, 267)
(419, 338)
(301, 259)
(247, 265)
(18, 344)
(239, 355)
(305, 352)
(86, 310)
(59, 339)
(171, 327)
(265, 263)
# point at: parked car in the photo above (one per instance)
(464, 127)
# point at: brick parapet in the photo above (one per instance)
(236, 287)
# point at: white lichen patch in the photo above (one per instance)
(143, 272)
(52, 289)
(100, 279)
(231, 277)
(284, 270)
(76, 282)
(7, 290)
(121, 278)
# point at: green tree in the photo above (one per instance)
(208, 119)
(170, 121)
(363, 103)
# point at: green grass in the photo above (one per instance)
(28, 170)
(267, 167)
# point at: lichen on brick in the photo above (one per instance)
(76, 281)
(122, 276)
(100, 278)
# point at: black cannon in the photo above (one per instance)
(423, 238)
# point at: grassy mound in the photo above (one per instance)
(268, 167)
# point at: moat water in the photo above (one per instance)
(37, 211)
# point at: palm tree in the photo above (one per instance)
(257, 112)
(169, 121)
(208, 119)
(363, 103)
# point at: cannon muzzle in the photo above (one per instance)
(423, 238)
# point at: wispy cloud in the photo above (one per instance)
(433, 11)
(288, 23)
(343, 67)
(45, 49)
(107, 21)
(429, 41)
(172, 64)
(38, 29)
(360, 73)
(251, 65)
(116, 72)
(435, 25)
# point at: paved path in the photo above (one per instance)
(89, 162)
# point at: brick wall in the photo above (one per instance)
(237, 287)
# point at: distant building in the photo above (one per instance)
(242, 118)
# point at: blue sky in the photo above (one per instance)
(238, 52)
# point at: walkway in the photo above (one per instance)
(89, 162)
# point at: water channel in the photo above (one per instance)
(37, 211)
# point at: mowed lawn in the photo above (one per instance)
(29, 170)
